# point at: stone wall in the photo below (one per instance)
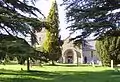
(78, 54)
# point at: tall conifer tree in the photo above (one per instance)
(52, 42)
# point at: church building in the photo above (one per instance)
(72, 54)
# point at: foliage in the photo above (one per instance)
(100, 17)
(17, 47)
(14, 46)
(18, 17)
(52, 43)
(14, 17)
(108, 49)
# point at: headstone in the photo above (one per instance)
(112, 64)
(93, 63)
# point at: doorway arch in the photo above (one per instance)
(69, 56)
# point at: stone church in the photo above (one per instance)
(71, 54)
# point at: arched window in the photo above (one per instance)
(39, 38)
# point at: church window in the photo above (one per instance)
(91, 53)
(39, 38)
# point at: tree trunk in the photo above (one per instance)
(28, 64)
(77, 60)
(53, 63)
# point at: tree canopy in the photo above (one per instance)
(15, 16)
(100, 17)
(11, 47)
(108, 49)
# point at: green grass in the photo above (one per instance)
(64, 73)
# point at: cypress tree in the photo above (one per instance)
(52, 43)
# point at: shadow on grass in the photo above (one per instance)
(33, 73)
(25, 76)
(59, 76)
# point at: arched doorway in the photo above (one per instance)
(69, 56)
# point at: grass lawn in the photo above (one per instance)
(64, 73)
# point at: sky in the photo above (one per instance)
(45, 5)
